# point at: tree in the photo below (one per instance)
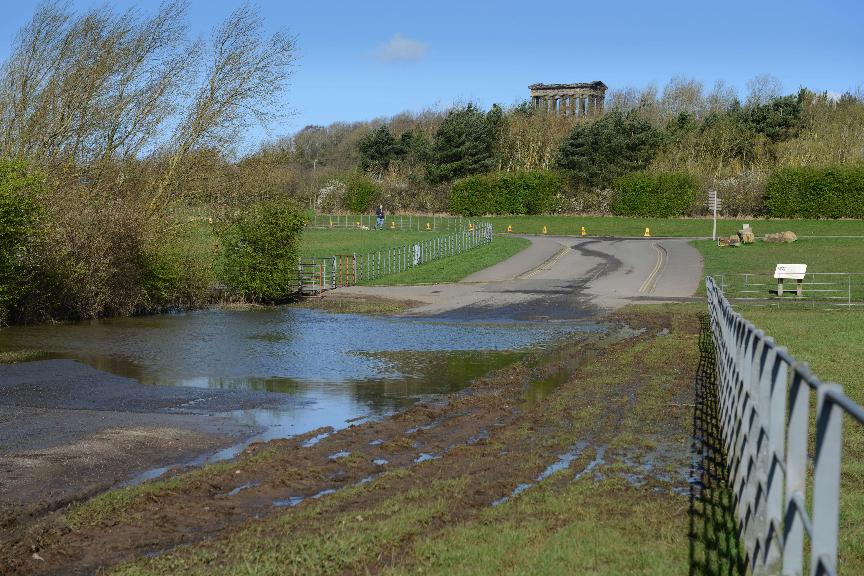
(463, 145)
(377, 149)
(596, 153)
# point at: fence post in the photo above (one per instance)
(796, 476)
(826, 481)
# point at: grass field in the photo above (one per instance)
(327, 242)
(455, 268)
(698, 227)
(831, 341)
(820, 255)
(569, 225)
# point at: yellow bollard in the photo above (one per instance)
(509, 228)
(470, 227)
(582, 231)
(544, 230)
(428, 226)
(647, 233)
(393, 225)
(357, 224)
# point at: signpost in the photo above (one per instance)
(714, 205)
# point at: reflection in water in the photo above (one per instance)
(349, 366)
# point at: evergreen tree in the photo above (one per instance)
(596, 153)
(463, 145)
(378, 149)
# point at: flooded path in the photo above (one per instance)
(123, 400)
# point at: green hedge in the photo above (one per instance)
(527, 192)
(831, 192)
(261, 250)
(19, 216)
(655, 195)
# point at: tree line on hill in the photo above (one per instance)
(702, 140)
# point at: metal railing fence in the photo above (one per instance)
(765, 420)
(829, 288)
(319, 274)
(419, 222)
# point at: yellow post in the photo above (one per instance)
(331, 222)
(357, 224)
(392, 224)
(428, 226)
(647, 233)
(509, 228)
(544, 230)
(470, 227)
(582, 231)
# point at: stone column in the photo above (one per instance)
(584, 107)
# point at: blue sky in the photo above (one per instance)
(361, 60)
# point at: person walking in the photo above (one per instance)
(379, 217)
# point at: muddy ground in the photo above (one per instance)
(608, 411)
(78, 431)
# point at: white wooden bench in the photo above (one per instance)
(790, 272)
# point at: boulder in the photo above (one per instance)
(781, 237)
(746, 236)
(733, 240)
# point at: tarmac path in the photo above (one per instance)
(560, 278)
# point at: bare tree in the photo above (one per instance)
(762, 88)
(245, 75)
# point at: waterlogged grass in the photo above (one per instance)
(15, 356)
(584, 528)
(570, 225)
(435, 518)
(116, 505)
(457, 267)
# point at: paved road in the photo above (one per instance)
(561, 278)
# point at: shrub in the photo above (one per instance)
(528, 192)
(19, 215)
(812, 192)
(361, 193)
(177, 271)
(260, 247)
(655, 195)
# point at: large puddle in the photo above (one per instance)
(342, 367)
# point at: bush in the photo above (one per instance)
(361, 194)
(260, 247)
(810, 192)
(528, 192)
(655, 195)
(177, 271)
(19, 215)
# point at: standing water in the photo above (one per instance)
(341, 368)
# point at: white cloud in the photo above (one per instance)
(401, 49)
